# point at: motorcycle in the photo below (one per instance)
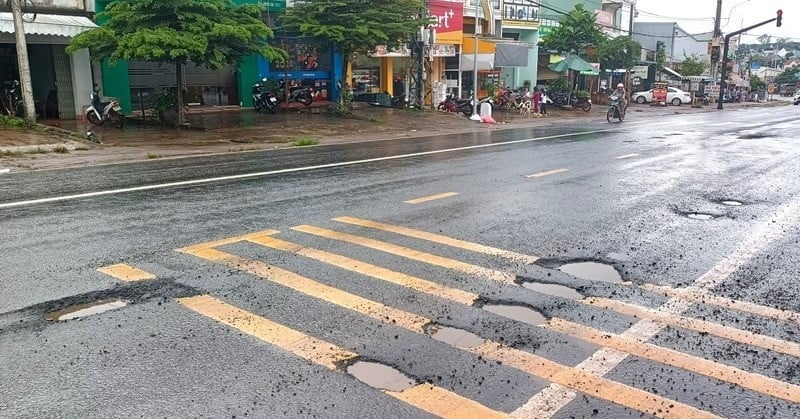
(563, 100)
(299, 94)
(264, 101)
(101, 113)
(614, 109)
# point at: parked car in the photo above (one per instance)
(675, 96)
(796, 98)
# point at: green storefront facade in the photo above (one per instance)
(116, 79)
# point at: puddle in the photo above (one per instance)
(85, 310)
(382, 377)
(519, 313)
(455, 337)
(592, 271)
(699, 216)
(732, 203)
(554, 290)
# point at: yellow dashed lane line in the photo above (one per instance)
(431, 198)
(547, 173)
(126, 273)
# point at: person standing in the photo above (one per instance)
(543, 102)
(537, 98)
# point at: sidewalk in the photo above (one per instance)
(231, 129)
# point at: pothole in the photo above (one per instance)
(382, 377)
(554, 290)
(85, 310)
(732, 203)
(699, 216)
(455, 337)
(593, 271)
(519, 313)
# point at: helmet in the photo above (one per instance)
(620, 85)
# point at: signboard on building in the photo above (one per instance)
(449, 21)
(520, 11)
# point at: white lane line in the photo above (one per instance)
(553, 398)
(282, 171)
(627, 156)
(547, 173)
(722, 124)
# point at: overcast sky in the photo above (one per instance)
(697, 16)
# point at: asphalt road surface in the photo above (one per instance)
(642, 269)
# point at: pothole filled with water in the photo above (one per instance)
(732, 203)
(85, 310)
(380, 376)
(455, 337)
(593, 271)
(699, 216)
(519, 313)
(554, 290)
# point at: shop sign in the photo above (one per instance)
(442, 50)
(399, 51)
(448, 20)
(660, 92)
(520, 10)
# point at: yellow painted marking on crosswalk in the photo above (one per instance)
(437, 238)
(548, 173)
(221, 242)
(302, 345)
(317, 290)
(590, 384)
(445, 404)
(698, 296)
(431, 198)
(126, 273)
(405, 252)
(701, 326)
(525, 361)
(374, 271)
(627, 156)
(751, 381)
(432, 399)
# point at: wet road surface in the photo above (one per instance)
(599, 270)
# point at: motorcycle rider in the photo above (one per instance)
(621, 94)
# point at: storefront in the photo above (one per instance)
(521, 24)
(306, 66)
(61, 82)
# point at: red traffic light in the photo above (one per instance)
(780, 16)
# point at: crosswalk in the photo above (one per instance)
(567, 381)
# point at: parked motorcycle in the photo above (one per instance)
(299, 94)
(264, 101)
(615, 109)
(563, 100)
(102, 113)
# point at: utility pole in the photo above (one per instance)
(22, 63)
(716, 41)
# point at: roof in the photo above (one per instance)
(43, 24)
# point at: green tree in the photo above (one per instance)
(212, 33)
(661, 56)
(789, 75)
(577, 33)
(619, 52)
(756, 83)
(355, 26)
(693, 66)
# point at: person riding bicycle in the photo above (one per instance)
(620, 94)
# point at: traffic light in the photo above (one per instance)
(780, 16)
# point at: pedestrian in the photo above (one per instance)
(543, 99)
(537, 97)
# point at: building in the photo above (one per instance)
(61, 83)
(678, 44)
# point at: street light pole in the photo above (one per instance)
(475, 116)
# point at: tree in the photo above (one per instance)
(789, 75)
(661, 56)
(619, 52)
(756, 83)
(212, 33)
(577, 33)
(355, 26)
(693, 66)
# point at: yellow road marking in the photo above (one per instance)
(548, 173)
(432, 399)
(525, 361)
(697, 296)
(405, 252)
(126, 273)
(756, 382)
(701, 326)
(370, 270)
(316, 289)
(437, 238)
(431, 198)
(221, 242)
(627, 156)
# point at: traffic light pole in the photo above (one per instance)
(724, 70)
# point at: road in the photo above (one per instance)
(595, 270)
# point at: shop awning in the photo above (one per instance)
(42, 24)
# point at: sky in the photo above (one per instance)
(696, 16)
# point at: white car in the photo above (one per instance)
(674, 96)
(796, 98)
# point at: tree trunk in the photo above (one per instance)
(22, 62)
(179, 82)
